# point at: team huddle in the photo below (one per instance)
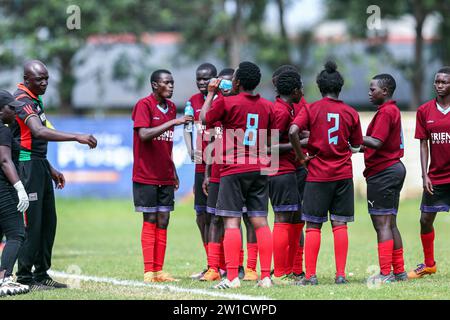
(248, 150)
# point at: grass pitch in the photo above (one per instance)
(101, 238)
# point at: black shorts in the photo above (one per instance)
(283, 192)
(439, 201)
(301, 174)
(150, 198)
(249, 190)
(383, 190)
(213, 193)
(337, 197)
(199, 196)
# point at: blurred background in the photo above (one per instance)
(100, 56)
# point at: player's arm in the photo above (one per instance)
(40, 131)
(9, 169)
(294, 138)
(177, 180)
(427, 184)
(57, 177)
(213, 87)
(371, 142)
(147, 134)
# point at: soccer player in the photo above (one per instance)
(154, 175)
(433, 131)
(31, 131)
(13, 198)
(284, 198)
(333, 126)
(204, 73)
(242, 184)
(385, 174)
(295, 259)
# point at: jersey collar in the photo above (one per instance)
(22, 87)
(387, 103)
(442, 110)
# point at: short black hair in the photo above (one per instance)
(157, 74)
(445, 70)
(330, 80)
(208, 66)
(249, 75)
(226, 72)
(288, 81)
(284, 68)
(385, 80)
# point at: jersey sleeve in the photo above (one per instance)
(356, 137)
(421, 131)
(302, 120)
(26, 111)
(382, 126)
(216, 112)
(281, 121)
(141, 115)
(5, 136)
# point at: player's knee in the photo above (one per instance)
(426, 221)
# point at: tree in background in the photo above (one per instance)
(354, 12)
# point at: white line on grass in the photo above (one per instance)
(172, 288)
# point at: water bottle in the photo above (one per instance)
(188, 111)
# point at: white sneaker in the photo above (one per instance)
(265, 283)
(11, 288)
(227, 284)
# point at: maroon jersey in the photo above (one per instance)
(432, 124)
(299, 106)
(284, 115)
(385, 126)
(201, 141)
(153, 159)
(243, 116)
(333, 125)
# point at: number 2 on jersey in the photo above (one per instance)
(335, 116)
(251, 131)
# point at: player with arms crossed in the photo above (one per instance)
(433, 131)
(241, 182)
(385, 174)
(335, 133)
(154, 175)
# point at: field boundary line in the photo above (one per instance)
(165, 287)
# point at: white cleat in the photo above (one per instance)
(265, 283)
(227, 284)
(11, 288)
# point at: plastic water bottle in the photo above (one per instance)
(188, 111)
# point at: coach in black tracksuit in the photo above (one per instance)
(32, 133)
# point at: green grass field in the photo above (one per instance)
(102, 238)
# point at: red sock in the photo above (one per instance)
(148, 236)
(340, 249)
(280, 247)
(385, 252)
(312, 247)
(222, 264)
(205, 246)
(298, 261)
(294, 244)
(428, 248)
(252, 255)
(241, 257)
(265, 249)
(160, 248)
(397, 261)
(232, 245)
(214, 249)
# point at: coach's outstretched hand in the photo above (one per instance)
(88, 139)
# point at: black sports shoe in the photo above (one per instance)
(312, 281)
(36, 286)
(49, 282)
(401, 276)
(340, 280)
(298, 276)
(241, 272)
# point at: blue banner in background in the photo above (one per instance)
(105, 172)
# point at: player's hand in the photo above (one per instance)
(184, 120)
(304, 134)
(58, 178)
(197, 157)
(24, 202)
(177, 182)
(205, 185)
(213, 84)
(306, 160)
(428, 185)
(88, 139)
